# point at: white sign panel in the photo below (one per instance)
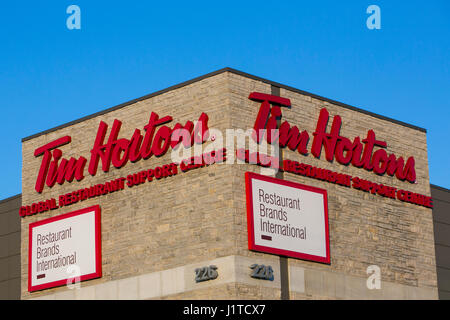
(64, 249)
(287, 218)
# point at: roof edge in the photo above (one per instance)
(439, 187)
(208, 75)
(10, 198)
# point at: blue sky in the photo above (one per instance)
(50, 75)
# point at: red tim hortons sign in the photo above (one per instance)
(155, 142)
(156, 137)
(359, 153)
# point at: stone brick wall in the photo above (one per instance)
(158, 225)
(365, 229)
(368, 229)
(201, 214)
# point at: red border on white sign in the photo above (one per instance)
(98, 248)
(251, 236)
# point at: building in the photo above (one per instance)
(171, 196)
(10, 248)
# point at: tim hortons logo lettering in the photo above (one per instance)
(159, 137)
(359, 153)
(156, 141)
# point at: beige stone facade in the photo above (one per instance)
(155, 234)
